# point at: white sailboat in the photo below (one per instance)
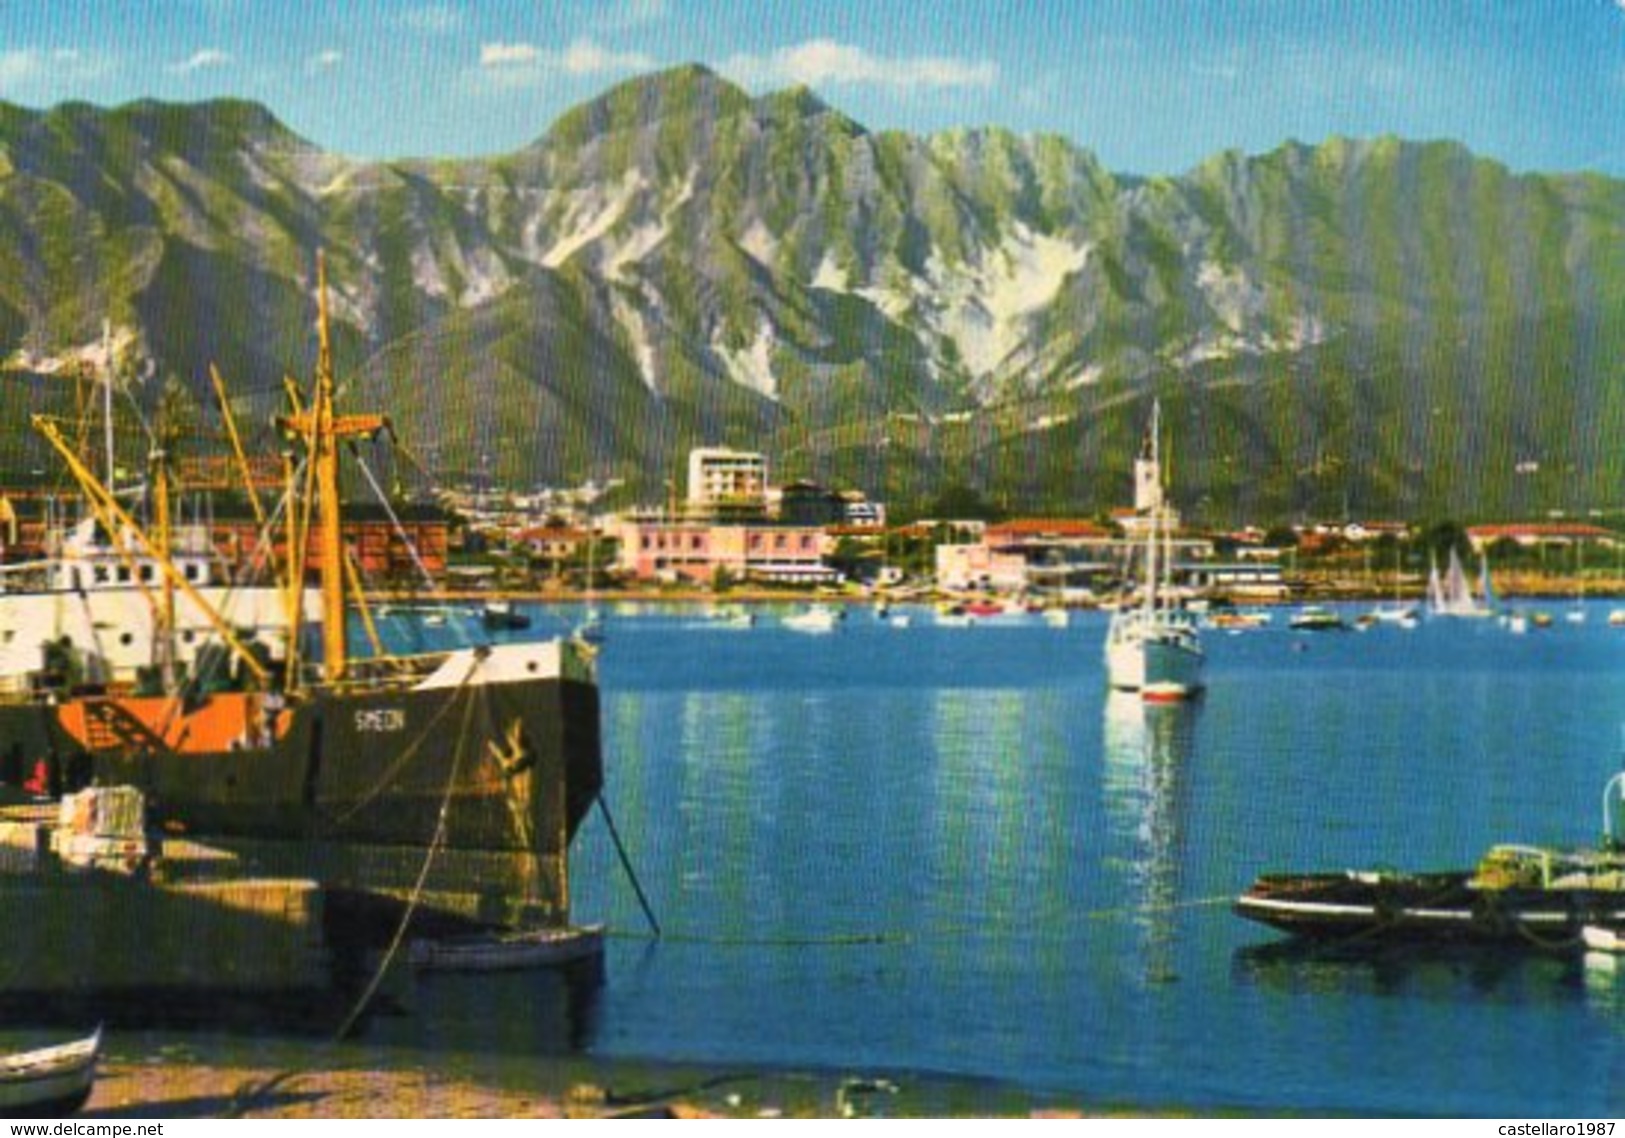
(1452, 595)
(1153, 648)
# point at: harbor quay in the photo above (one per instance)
(112, 913)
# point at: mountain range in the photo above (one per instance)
(1365, 327)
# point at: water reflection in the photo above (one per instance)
(1325, 969)
(979, 797)
(1148, 749)
(1603, 974)
(552, 1011)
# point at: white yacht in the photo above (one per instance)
(1153, 647)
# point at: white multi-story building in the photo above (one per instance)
(720, 476)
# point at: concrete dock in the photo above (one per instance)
(118, 911)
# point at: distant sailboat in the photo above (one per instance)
(1452, 595)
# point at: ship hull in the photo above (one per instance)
(1442, 908)
(455, 792)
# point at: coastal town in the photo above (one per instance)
(491, 496)
(728, 528)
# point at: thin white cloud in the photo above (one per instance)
(500, 55)
(823, 62)
(433, 19)
(29, 67)
(18, 68)
(524, 64)
(203, 60)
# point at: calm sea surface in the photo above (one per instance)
(947, 850)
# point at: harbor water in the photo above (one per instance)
(947, 850)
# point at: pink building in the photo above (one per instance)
(666, 550)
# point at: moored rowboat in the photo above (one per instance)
(500, 952)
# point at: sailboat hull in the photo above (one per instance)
(1160, 657)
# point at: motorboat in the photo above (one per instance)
(817, 618)
(502, 615)
(1316, 618)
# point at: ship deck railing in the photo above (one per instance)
(41, 687)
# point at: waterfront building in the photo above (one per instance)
(1531, 535)
(977, 565)
(657, 547)
(1251, 580)
(385, 546)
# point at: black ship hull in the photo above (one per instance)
(1428, 908)
(456, 792)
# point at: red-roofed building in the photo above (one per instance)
(1531, 534)
(1022, 530)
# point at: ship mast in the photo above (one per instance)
(107, 401)
(165, 642)
(322, 429)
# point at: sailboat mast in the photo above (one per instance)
(1151, 479)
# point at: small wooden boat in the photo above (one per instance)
(508, 951)
(51, 1081)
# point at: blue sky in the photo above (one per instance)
(1152, 86)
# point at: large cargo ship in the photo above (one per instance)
(445, 786)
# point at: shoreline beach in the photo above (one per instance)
(578, 1087)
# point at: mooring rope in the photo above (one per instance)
(246, 1094)
(435, 844)
(626, 864)
(891, 936)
